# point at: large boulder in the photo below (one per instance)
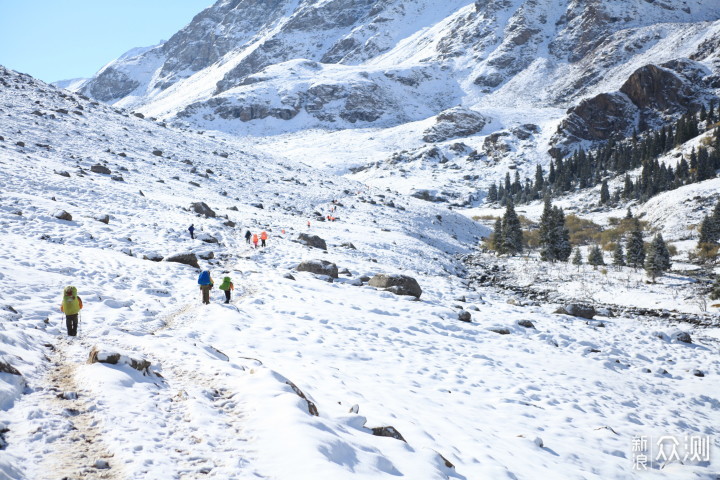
(455, 122)
(184, 258)
(114, 358)
(577, 310)
(201, 208)
(397, 284)
(100, 169)
(63, 215)
(319, 267)
(312, 241)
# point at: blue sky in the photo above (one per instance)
(62, 39)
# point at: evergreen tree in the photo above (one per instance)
(708, 231)
(595, 257)
(618, 255)
(511, 230)
(492, 195)
(577, 258)
(628, 214)
(715, 293)
(497, 237)
(554, 236)
(658, 257)
(635, 248)
(604, 193)
(539, 181)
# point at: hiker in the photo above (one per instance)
(191, 229)
(255, 239)
(206, 284)
(263, 237)
(71, 306)
(226, 286)
(308, 223)
(247, 236)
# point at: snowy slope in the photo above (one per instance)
(563, 400)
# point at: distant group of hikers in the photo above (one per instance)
(254, 236)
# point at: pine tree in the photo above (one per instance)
(497, 237)
(595, 257)
(708, 232)
(554, 236)
(539, 181)
(618, 255)
(658, 257)
(577, 258)
(511, 230)
(604, 193)
(492, 195)
(635, 248)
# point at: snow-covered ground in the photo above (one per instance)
(565, 399)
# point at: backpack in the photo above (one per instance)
(204, 278)
(71, 302)
(225, 285)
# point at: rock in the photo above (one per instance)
(539, 442)
(289, 276)
(577, 310)
(153, 257)
(526, 323)
(63, 173)
(117, 178)
(68, 395)
(455, 122)
(257, 205)
(319, 267)
(7, 368)
(97, 168)
(114, 358)
(464, 316)
(348, 245)
(209, 255)
(364, 278)
(500, 330)
(63, 215)
(387, 432)
(680, 336)
(312, 241)
(101, 464)
(397, 284)
(104, 218)
(698, 373)
(312, 408)
(184, 258)
(229, 223)
(201, 208)
(354, 409)
(157, 153)
(207, 238)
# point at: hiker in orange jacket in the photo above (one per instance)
(263, 237)
(255, 239)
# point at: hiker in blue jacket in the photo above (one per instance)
(206, 284)
(191, 229)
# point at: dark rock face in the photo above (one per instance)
(312, 408)
(184, 258)
(201, 208)
(319, 267)
(526, 324)
(388, 432)
(658, 89)
(397, 284)
(455, 122)
(312, 241)
(110, 85)
(683, 337)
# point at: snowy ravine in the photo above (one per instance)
(562, 400)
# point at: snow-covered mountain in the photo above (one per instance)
(383, 77)
(297, 377)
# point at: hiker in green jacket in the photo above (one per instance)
(227, 286)
(71, 306)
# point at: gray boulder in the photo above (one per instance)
(312, 241)
(526, 324)
(319, 267)
(184, 258)
(201, 208)
(100, 169)
(63, 215)
(464, 316)
(104, 218)
(114, 358)
(577, 310)
(455, 122)
(397, 284)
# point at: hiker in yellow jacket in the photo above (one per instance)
(71, 306)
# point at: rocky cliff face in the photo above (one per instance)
(613, 65)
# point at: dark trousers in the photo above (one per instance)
(227, 296)
(71, 321)
(192, 234)
(205, 289)
(262, 244)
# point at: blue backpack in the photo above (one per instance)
(204, 278)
